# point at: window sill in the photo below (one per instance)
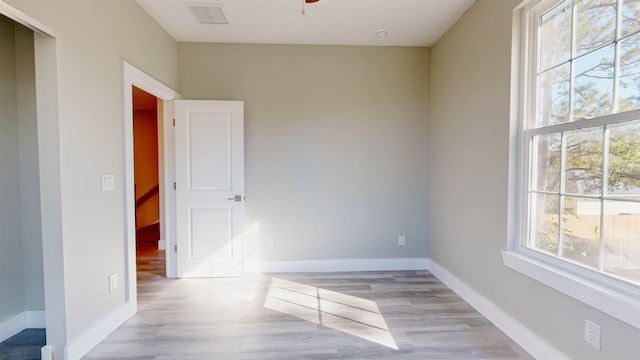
(601, 295)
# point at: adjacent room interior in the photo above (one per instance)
(146, 118)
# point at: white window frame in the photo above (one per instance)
(615, 298)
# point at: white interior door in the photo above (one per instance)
(209, 187)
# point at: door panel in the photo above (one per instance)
(211, 233)
(209, 150)
(209, 188)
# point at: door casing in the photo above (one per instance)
(134, 76)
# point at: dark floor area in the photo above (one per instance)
(25, 345)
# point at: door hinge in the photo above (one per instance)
(174, 122)
(174, 185)
(175, 248)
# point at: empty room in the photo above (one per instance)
(330, 179)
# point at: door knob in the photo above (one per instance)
(236, 198)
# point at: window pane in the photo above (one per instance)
(546, 159)
(544, 222)
(596, 24)
(629, 83)
(580, 230)
(624, 159)
(583, 168)
(621, 231)
(555, 36)
(553, 91)
(593, 84)
(630, 16)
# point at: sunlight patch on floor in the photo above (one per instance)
(345, 313)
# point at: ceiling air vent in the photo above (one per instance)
(208, 14)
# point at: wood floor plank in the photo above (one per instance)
(317, 316)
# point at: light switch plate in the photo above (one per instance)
(113, 282)
(108, 182)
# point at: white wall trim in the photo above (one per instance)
(529, 341)
(50, 189)
(343, 265)
(92, 337)
(17, 323)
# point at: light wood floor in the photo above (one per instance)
(364, 315)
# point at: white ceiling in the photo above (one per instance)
(327, 22)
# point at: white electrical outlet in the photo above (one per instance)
(113, 282)
(592, 334)
(401, 240)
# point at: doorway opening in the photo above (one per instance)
(150, 245)
(164, 97)
(22, 277)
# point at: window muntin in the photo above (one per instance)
(583, 198)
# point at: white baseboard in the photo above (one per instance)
(524, 337)
(343, 265)
(17, 323)
(162, 244)
(80, 346)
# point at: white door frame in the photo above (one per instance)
(134, 76)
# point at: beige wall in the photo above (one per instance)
(335, 144)
(92, 40)
(468, 164)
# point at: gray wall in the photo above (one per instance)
(92, 40)
(12, 295)
(335, 144)
(468, 154)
